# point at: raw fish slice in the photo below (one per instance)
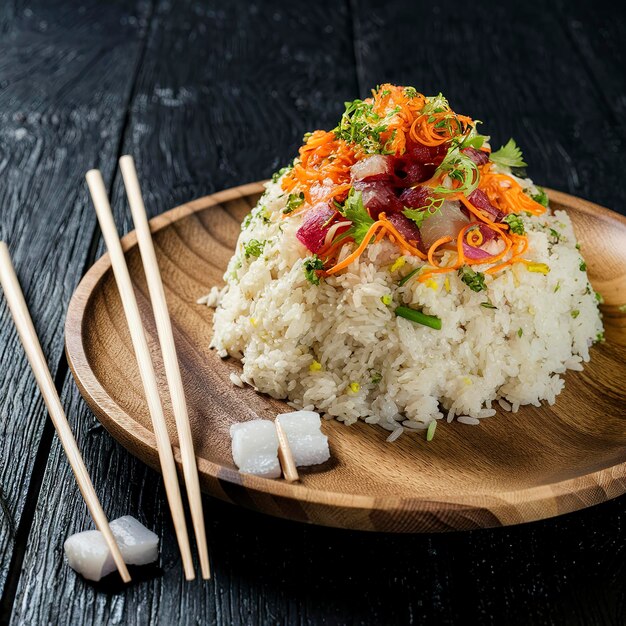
(303, 429)
(255, 448)
(88, 553)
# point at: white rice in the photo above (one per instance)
(337, 348)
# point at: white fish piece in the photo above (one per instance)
(138, 545)
(88, 554)
(304, 433)
(255, 448)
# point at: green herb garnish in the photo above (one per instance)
(407, 278)
(418, 317)
(460, 168)
(376, 377)
(515, 223)
(508, 155)
(575, 313)
(254, 248)
(280, 172)
(311, 266)
(293, 202)
(555, 234)
(430, 433)
(354, 210)
(488, 305)
(582, 266)
(599, 297)
(520, 332)
(541, 197)
(600, 337)
(474, 280)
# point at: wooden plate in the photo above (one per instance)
(514, 468)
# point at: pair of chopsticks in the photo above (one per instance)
(144, 360)
(32, 347)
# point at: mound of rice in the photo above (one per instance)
(338, 346)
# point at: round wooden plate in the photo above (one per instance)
(513, 468)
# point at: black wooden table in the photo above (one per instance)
(208, 95)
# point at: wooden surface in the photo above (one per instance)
(537, 463)
(208, 95)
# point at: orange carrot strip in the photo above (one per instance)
(358, 252)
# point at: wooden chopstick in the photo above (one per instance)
(170, 358)
(285, 456)
(32, 347)
(144, 360)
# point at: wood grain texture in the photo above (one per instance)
(62, 93)
(567, 570)
(515, 468)
(223, 96)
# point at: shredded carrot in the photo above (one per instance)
(359, 251)
(506, 194)
(431, 250)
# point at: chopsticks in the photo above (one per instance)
(285, 455)
(170, 358)
(34, 353)
(144, 360)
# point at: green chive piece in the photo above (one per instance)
(430, 433)
(418, 317)
(408, 277)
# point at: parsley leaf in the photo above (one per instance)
(509, 155)
(354, 210)
(311, 266)
(515, 223)
(474, 280)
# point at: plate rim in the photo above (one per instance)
(528, 504)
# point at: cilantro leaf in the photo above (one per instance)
(515, 223)
(354, 210)
(311, 266)
(509, 155)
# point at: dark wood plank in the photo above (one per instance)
(64, 84)
(511, 65)
(224, 95)
(598, 31)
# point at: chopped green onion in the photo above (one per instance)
(575, 313)
(418, 317)
(583, 266)
(599, 297)
(408, 277)
(430, 433)
(488, 305)
(600, 337)
(520, 332)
